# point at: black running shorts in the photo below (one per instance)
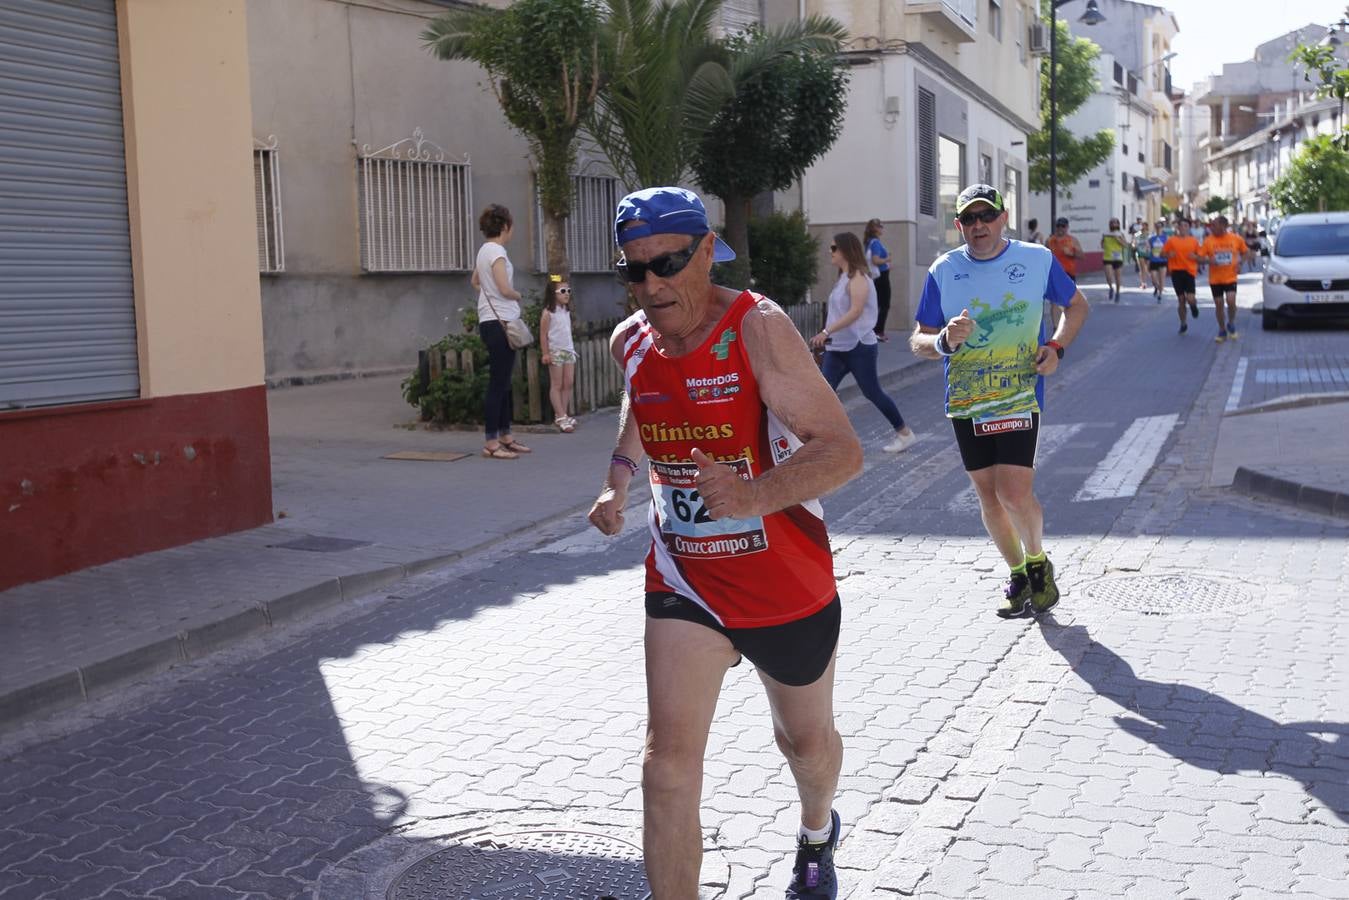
(1155, 265)
(793, 653)
(1014, 448)
(1182, 281)
(1221, 290)
(1115, 263)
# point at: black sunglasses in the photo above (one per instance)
(833, 248)
(667, 265)
(988, 216)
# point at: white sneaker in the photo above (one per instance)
(901, 442)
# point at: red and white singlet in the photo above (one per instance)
(748, 573)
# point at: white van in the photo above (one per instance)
(1308, 272)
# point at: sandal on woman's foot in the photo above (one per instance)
(499, 453)
(515, 446)
(564, 425)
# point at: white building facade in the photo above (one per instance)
(942, 94)
(1135, 100)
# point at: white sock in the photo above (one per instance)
(817, 835)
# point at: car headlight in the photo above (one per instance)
(1273, 276)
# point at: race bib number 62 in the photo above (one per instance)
(687, 528)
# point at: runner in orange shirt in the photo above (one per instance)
(1066, 248)
(1182, 261)
(1224, 251)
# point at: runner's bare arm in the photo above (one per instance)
(794, 391)
(607, 512)
(1074, 316)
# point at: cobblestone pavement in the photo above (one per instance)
(1176, 728)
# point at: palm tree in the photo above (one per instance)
(777, 107)
(544, 61)
(658, 50)
(670, 78)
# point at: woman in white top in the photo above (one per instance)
(498, 302)
(559, 351)
(849, 339)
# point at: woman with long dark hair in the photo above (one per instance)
(498, 303)
(878, 262)
(849, 339)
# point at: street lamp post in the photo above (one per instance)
(1092, 16)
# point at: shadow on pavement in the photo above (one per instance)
(1209, 731)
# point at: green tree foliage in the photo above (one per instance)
(783, 255)
(1332, 75)
(659, 51)
(1076, 82)
(778, 110)
(544, 61)
(1216, 205)
(1317, 179)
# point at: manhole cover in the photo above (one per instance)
(1168, 595)
(528, 865)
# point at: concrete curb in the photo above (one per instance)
(1291, 401)
(1286, 490)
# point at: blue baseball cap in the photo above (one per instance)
(665, 210)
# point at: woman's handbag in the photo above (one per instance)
(518, 335)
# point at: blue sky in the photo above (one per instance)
(1213, 32)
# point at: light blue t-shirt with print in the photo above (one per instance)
(1155, 245)
(993, 373)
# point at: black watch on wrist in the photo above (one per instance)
(1058, 348)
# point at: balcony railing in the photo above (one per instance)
(957, 19)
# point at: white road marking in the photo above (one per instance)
(1052, 437)
(1328, 375)
(1238, 382)
(1129, 461)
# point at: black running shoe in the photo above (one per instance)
(1183, 328)
(1016, 597)
(1194, 309)
(813, 874)
(1044, 591)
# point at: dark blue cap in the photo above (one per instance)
(665, 210)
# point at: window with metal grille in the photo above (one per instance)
(416, 208)
(590, 227)
(927, 152)
(267, 204)
(738, 15)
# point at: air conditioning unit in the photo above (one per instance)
(1039, 38)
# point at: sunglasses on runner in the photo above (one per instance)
(988, 217)
(833, 248)
(667, 265)
(563, 290)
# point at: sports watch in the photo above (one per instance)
(1058, 348)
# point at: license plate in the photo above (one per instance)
(1337, 297)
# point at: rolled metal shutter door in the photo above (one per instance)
(67, 311)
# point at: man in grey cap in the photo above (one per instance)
(743, 436)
